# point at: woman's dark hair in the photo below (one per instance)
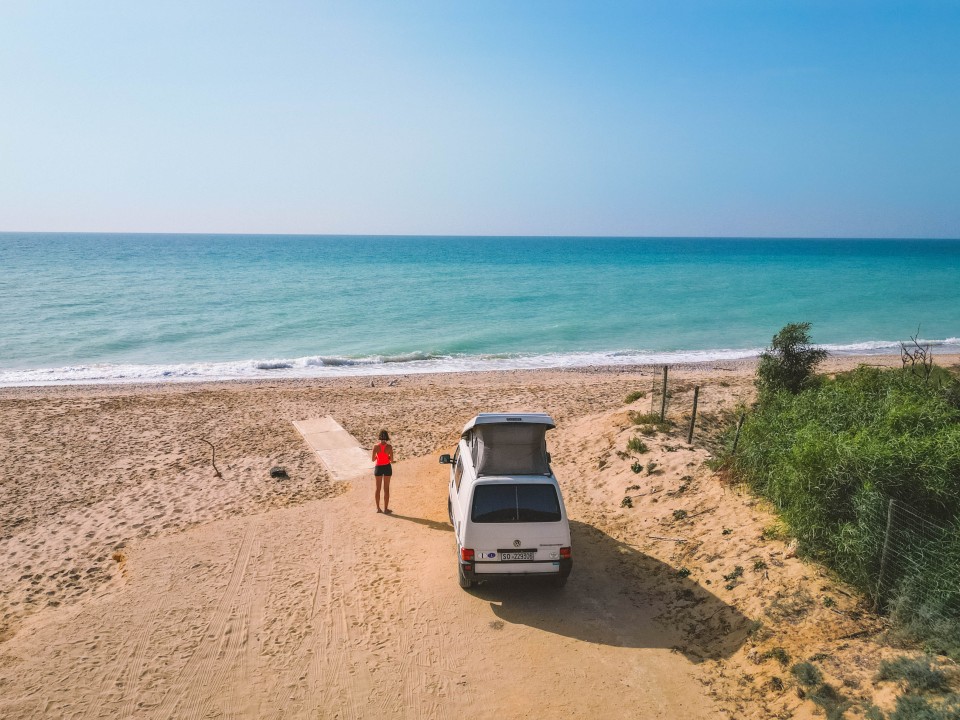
(384, 436)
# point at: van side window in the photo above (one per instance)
(458, 472)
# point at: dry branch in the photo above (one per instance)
(916, 355)
(213, 456)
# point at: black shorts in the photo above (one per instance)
(385, 470)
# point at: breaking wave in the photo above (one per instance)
(408, 363)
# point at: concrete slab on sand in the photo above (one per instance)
(338, 450)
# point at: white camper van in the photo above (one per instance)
(504, 501)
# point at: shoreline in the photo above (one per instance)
(415, 363)
(738, 366)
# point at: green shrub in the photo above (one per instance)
(637, 445)
(916, 673)
(806, 674)
(830, 458)
(637, 467)
(917, 707)
(832, 702)
(634, 396)
(790, 361)
(735, 574)
(911, 707)
(778, 654)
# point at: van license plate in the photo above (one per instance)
(510, 556)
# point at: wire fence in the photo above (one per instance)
(912, 560)
(919, 553)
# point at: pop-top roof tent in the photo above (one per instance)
(503, 444)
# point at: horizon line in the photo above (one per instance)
(491, 236)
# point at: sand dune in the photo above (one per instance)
(137, 584)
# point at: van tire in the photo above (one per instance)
(450, 511)
(465, 582)
(559, 581)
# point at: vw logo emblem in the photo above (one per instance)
(516, 543)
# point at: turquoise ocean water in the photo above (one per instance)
(87, 307)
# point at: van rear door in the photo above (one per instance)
(517, 527)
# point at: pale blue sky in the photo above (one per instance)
(547, 118)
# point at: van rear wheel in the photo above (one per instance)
(465, 582)
(559, 581)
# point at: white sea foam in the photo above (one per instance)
(409, 363)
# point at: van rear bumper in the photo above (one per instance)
(488, 570)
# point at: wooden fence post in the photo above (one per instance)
(736, 438)
(693, 417)
(878, 598)
(663, 399)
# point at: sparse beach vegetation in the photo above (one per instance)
(778, 654)
(916, 674)
(650, 423)
(806, 674)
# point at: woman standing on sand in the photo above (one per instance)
(382, 456)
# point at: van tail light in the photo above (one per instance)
(466, 554)
(564, 553)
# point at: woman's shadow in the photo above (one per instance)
(432, 524)
(619, 596)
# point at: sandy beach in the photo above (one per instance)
(134, 582)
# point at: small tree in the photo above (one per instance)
(790, 361)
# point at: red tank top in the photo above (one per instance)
(383, 458)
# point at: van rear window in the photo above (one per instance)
(515, 503)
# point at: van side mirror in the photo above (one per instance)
(445, 460)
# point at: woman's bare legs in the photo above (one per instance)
(386, 494)
(379, 479)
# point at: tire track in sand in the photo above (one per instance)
(329, 674)
(135, 662)
(332, 682)
(425, 674)
(323, 673)
(124, 672)
(218, 646)
(248, 655)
